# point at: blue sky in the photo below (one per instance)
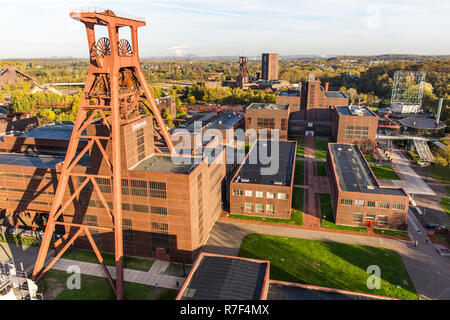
(33, 29)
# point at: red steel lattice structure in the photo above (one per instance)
(115, 92)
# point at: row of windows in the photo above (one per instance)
(25, 176)
(260, 194)
(266, 122)
(373, 204)
(259, 208)
(357, 128)
(27, 191)
(358, 217)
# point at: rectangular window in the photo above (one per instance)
(359, 203)
(259, 194)
(160, 227)
(248, 207)
(270, 208)
(398, 206)
(382, 219)
(270, 195)
(259, 208)
(371, 204)
(283, 196)
(237, 192)
(347, 202)
(248, 193)
(157, 189)
(358, 217)
(139, 207)
(370, 217)
(158, 210)
(384, 205)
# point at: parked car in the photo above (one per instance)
(444, 252)
(431, 225)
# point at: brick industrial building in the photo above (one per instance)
(269, 66)
(266, 195)
(356, 196)
(268, 116)
(312, 107)
(354, 124)
(168, 208)
(168, 103)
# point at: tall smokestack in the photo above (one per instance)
(438, 114)
(327, 84)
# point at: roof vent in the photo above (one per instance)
(245, 180)
(339, 149)
(278, 183)
(371, 187)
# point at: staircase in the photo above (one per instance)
(423, 150)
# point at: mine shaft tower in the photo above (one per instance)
(115, 92)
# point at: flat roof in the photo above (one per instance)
(59, 131)
(203, 117)
(360, 111)
(24, 160)
(422, 123)
(291, 93)
(167, 164)
(274, 106)
(251, 172)
(225, 121)
(217, 277)
(335, 94)
(353, 171)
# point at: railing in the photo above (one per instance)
(107, 12)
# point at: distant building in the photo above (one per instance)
(356, 196)
(269, 66)
(354, 124)
(268, 116)
(168, 103)
(257, 194)
(291, 97)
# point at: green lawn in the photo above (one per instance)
(300, 139)
(298, 197)
(384, 172)
(370, 158)
(391, 232)
(321, 169)
(445, 204)
(54, 287)
(140, 264)
(25, 241)
(296, 218)
(321, 154)
(299, 175)
(329, 264)
(300, 145)
(327, 210)
(321, 144)
(441, 174)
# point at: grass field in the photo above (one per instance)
(445, 204)
(98, 288)
(370, 158)
(330, 264)
(441, 174)
(296, 218)
(321, 144)
(321, 169)
(299, 175)
(391, 232)
(384, 173)
(89, 256)
(298, 197)
(300, 145)
(327, 210)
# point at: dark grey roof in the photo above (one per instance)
(251, 170)
(35, 161)
(225, 121)
(290, 93)
(335, 94)
(226, 278)
(354, 173)
(167, 164)
(278, 291)
(274, 106)
(345, 111)
(60, 131)
(422, 123)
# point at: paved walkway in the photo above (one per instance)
(410, 181)
(429, 272)
(148, 278)
(159, 266)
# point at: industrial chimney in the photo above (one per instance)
(438, 114)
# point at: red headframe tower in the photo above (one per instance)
(114, 93)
